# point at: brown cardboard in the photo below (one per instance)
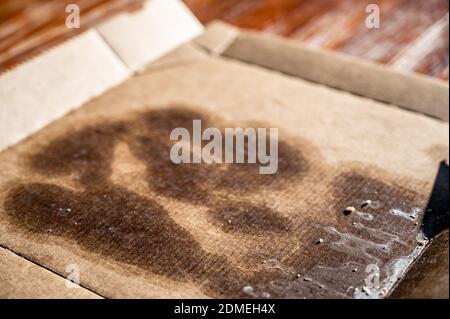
(76, 71)
(60, 81)
(95, 188)
(143, 36)
(23, 279)
(428, 278)
(412, 91)
(217, 37)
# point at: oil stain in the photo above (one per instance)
(132, 228)
(89, 153)
(128, 228)
(244, 218)
(355, 187)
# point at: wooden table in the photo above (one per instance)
(413, 34)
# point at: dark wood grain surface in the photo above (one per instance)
(413, 34)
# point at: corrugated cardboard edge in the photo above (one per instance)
(410, 91)
(428, 277)
(21, 278)
(145, 35)
(58, 81)
(217, 37)
(78, 70)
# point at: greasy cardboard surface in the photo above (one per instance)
(428, 277)
(96, 187)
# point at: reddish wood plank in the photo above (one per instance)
(340, 25)
(400, 27)
(428, 53)
(345, 18)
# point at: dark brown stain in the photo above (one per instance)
(128, 228)
(132, 228)
(353, 187)
(89, 154)
(244, 218)
(356, 186)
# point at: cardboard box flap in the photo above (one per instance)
(410, 91)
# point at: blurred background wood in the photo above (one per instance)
(28, 27)
(413, 34)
